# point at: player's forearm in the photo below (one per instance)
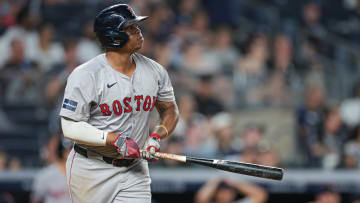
(83, 133)
(169, 115)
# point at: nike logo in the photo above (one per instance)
(109, 86)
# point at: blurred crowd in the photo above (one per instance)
(223, 58)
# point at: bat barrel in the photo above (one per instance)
(241, 168)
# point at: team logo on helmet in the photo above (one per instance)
(131, 11)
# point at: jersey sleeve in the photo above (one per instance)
(79, 94)
(166, 91)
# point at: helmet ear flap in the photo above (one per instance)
(113, 39)
(120, 40)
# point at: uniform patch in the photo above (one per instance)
(69, 104)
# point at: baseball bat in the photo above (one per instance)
(231, 166)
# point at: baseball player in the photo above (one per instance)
(106, 109)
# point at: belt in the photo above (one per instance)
(116, 162)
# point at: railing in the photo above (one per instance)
(179, 180)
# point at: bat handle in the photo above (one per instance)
(174, 157)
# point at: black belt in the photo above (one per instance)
(109, 160)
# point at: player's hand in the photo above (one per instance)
(126, 147)
(151, 146)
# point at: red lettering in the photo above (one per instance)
(127, 101)
(105, 109)
(153, 103)
(147, 103)
(138, 102)
(117, 107)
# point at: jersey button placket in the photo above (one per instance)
(132, 92)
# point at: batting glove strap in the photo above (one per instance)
(153, 142)
(151, 146)
(126, 147)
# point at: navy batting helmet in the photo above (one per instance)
(111, 21)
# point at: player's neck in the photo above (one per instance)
(121, 62)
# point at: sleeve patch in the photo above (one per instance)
(70, 104)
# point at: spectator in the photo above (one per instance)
(223, 50)
(312, 26)
(254, 148)
(333, 139)
(352, 150)
(9, 11)
(350, 107)
(162, 19)
(6, 197)
(15, 164)
(47, 52)
(252, 136)
(328, 196)
(284, 84)
(58, 75)
(3, 161)
(186, 9)
(309, 124)
(200, 25)
(207, 104)
(226, 55)
(189, 115)
(226, 143)
(193, 128)
(24, 30)
(196, 60)
(87, 47)
(21, 75)
(50, 183)
(163, 54)
(251, 73)
(268, 156)
(226, 191)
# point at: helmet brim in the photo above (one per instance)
(136, 20)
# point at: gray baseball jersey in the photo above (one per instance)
(114, 102)
(50, 186)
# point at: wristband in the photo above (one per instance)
(163, 126)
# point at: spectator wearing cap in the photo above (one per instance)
(207, 104)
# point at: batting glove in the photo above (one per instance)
(126, 147)
(151, 146)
